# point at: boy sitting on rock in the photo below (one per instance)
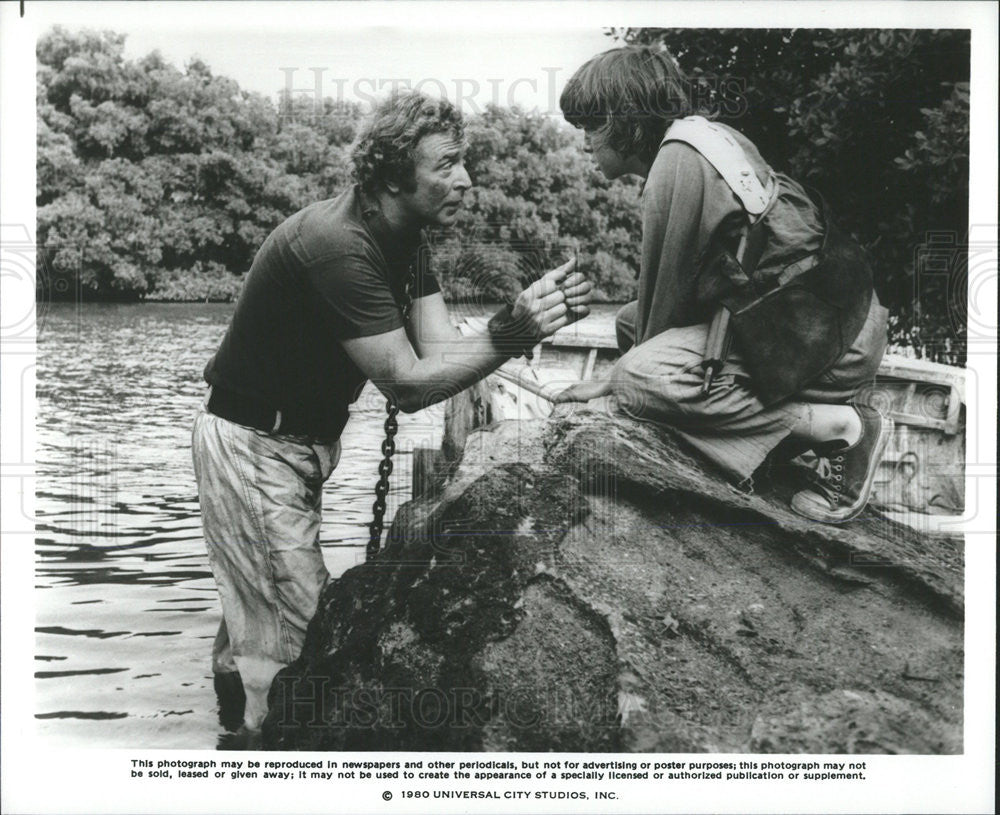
(728, 241)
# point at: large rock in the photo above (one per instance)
(583, 584)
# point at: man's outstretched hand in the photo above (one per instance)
(578, 293)
(556, 299)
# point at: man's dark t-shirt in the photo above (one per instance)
(333, 271)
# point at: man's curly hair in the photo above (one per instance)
(387, 145)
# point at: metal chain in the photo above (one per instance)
(382, 487)
(388, 444)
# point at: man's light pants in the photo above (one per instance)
(261, 505)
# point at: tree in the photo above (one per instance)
(164, 183)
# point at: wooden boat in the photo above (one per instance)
(921, 480)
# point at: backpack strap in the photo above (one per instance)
(724, 153)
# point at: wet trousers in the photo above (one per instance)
(661, 379)
(261, 505)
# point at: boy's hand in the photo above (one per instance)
(583, 391)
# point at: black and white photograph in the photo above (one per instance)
(501, 407)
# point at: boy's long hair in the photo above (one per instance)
(635, 92)
(386, 148)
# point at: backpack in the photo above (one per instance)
(791, 327)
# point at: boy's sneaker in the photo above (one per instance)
(846, 474)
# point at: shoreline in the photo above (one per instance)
(461, 309)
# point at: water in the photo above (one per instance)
(127, 607)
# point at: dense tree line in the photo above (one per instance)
(161, 183)
(154, 182)
(157, 183)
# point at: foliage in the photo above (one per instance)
(161, 183)
(878, 121)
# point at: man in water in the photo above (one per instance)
(339, 294)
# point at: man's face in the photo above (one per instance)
(441, 181)
(610, 162)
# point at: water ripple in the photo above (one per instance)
(119, 552)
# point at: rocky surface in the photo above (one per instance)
(583, 584)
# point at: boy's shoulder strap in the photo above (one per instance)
(724, 153)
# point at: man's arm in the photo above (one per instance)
(430, 325)
(390, 362)
(431, 329)
(445, 363)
